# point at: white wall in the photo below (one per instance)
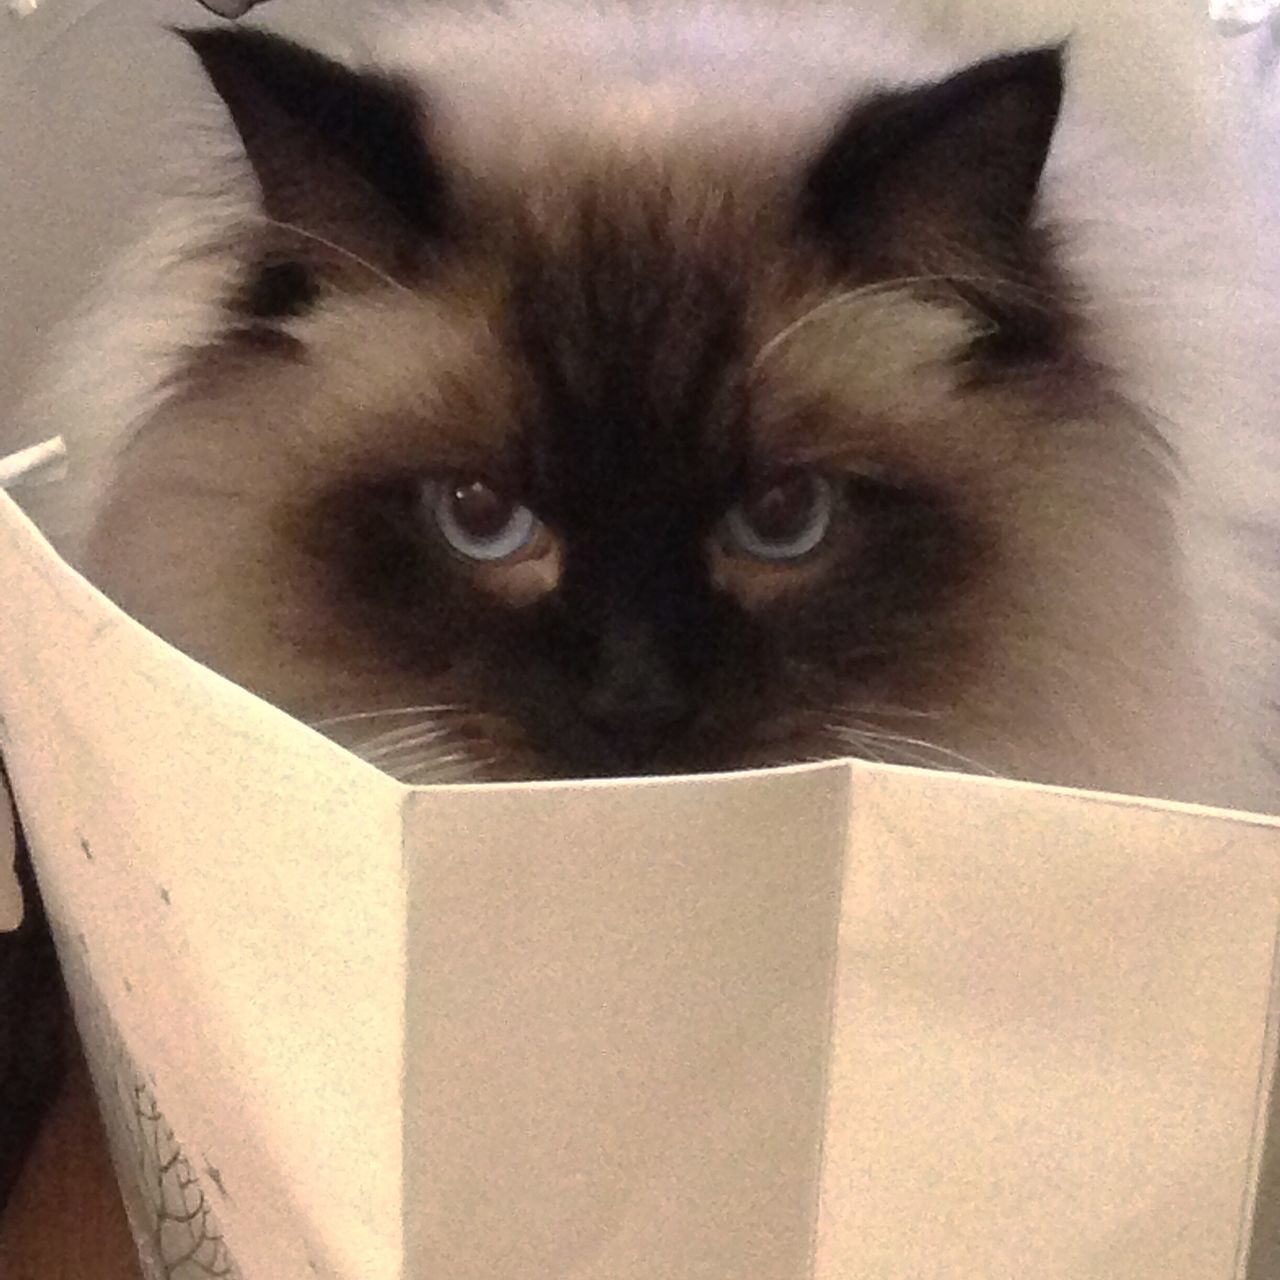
(91, 92)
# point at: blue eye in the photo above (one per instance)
(784, 516)
(479, 522)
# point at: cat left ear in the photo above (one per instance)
(331, 147)
(957, 163)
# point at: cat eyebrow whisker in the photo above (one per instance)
(825, 307)
(849, 297)
(334, 247)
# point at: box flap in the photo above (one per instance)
(619, 1016)
(642, 1031)
(1051, 1035)
(226, 890)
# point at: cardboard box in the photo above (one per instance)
(842, 1021)
(838, 1021)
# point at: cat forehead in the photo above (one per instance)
(590, 369)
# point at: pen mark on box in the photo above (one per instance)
(168, 1196)
(214, 1174)
(86, 850)
(164, 895)
(175, 1226)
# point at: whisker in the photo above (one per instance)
(915, 713)
(352, 717)
(426, 724)
(390, 747)
(868, 753)
(411, 771)
(302, 232)
(457, 766)
(910, 749)
(946, 753)
(850, 741)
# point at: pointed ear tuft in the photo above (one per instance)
(958, 161)
(325, 142)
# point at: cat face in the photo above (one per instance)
(638, 460)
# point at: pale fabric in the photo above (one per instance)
(1242, 15)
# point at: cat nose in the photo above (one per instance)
(635, 700)
(636, 709)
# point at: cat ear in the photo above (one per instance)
(328, 145)
(951, 165)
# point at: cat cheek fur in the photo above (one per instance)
(592, 296)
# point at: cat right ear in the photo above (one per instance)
(920, 173)
(334, 150)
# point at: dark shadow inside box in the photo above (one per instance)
(34, 1025)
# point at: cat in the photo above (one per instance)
(570, 390)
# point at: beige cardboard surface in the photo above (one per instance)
(20, 466)
(619, 1005)
(844, 1021)
(840, 1022)
(235, 886)
(1051, 1031)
